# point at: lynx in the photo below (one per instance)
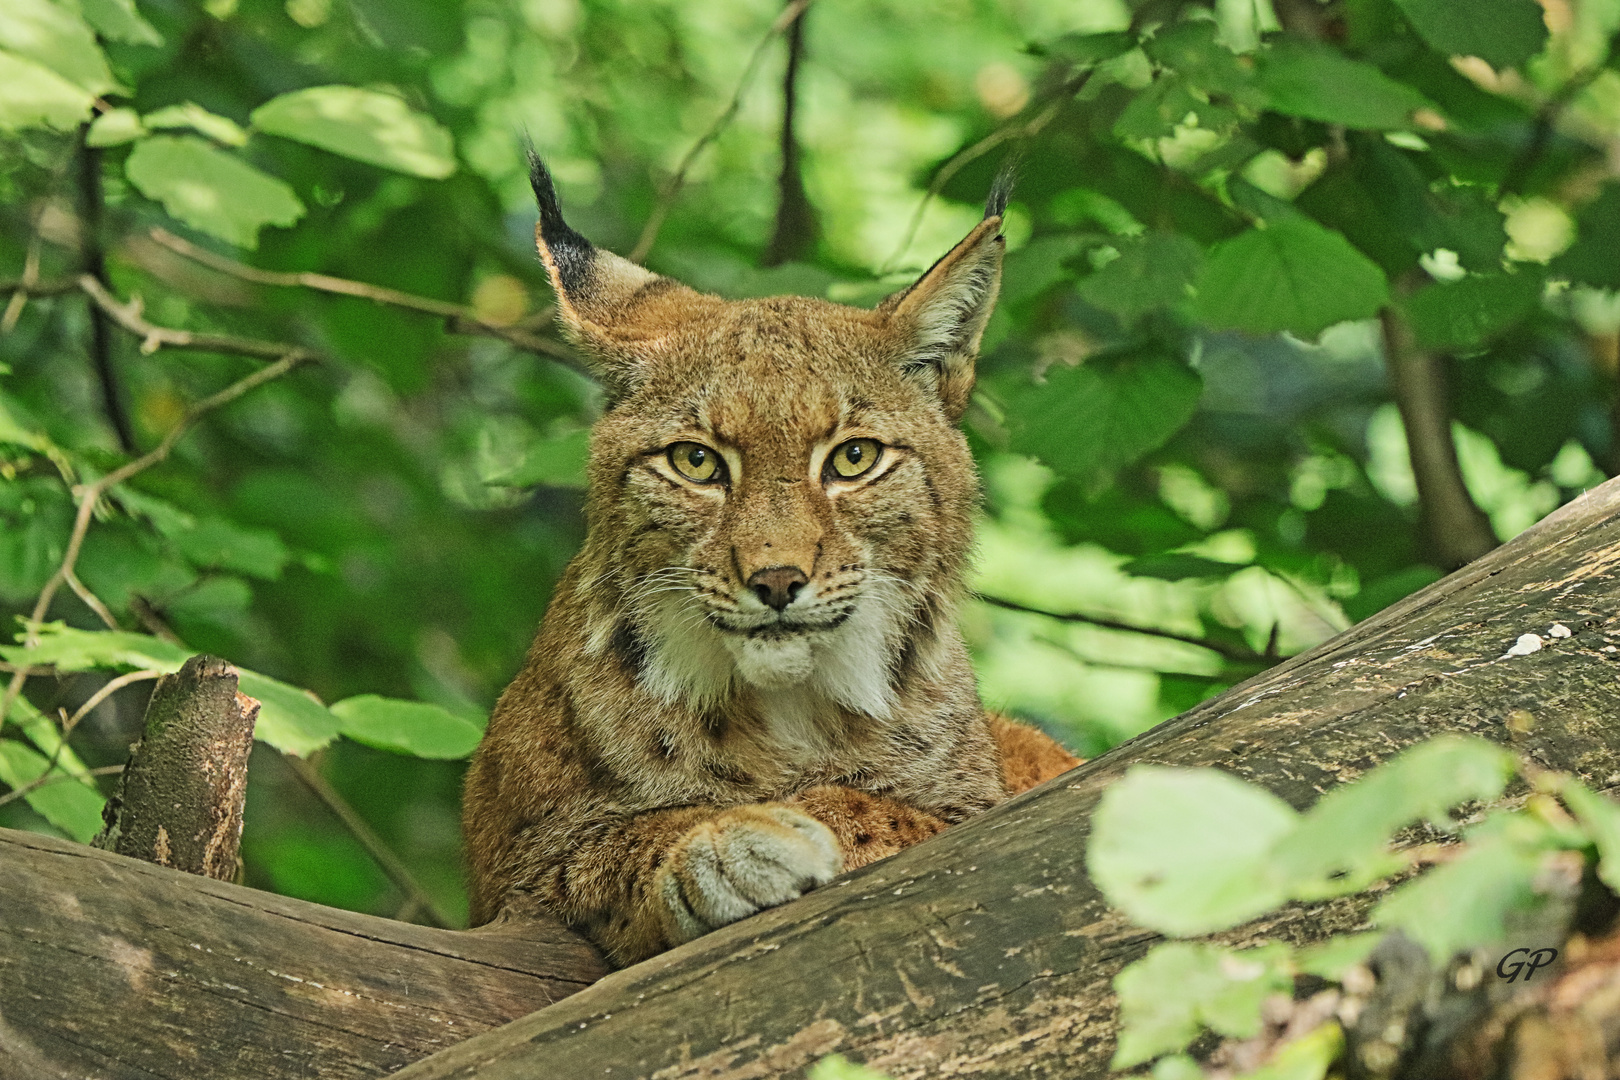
(750, 678)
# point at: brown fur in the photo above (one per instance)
(675, 753)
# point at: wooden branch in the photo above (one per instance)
(113, 968)
(986, 951)
(95, 267)
(795, 231)
(1458, 530)
(179, 802)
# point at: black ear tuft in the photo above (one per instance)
(572, 254)
(1001, 189)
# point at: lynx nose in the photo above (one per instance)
(776, 586)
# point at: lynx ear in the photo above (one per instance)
(941, 318)
(601, 298)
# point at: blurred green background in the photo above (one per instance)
(1186, 421)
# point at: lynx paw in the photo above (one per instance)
(742, 861)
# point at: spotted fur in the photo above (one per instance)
(676, 752)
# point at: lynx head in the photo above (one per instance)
(780, 498)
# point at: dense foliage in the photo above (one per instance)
(1264, 260)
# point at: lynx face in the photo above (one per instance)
(780, 499)
(785, 500)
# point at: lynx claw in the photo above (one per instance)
(744, 860)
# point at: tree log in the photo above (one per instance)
(983, 950)
(987, 951)
(179, 800)
(116, 969)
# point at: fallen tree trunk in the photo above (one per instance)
(985, 950)
(113, 968)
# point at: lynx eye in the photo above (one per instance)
(855, 457)
(696, 462)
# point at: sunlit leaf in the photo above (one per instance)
(1292, 275)
(1318, 82)
(558, 462)
(1184, 851)
(1600, 817)
(1091, 419)
(1348, 829)
(366, 125)
(221, 129)
(211, 189)
(1152, 273)
(407, 727)
(70, 649)
(118, 20)
(115, 127)
(1307, 1057)
(1504, 33)
(55, 37)
(32, 95)
(1169, 996)
(1171, 566)
(1467, 313)
(289, 719)
(72, 805)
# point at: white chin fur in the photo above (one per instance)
(772, 664)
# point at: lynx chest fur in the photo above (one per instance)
(750, 678)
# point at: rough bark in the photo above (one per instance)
(984, 950)
(987, 950)
(179, 800)
(115, 969)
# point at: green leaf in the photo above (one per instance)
(838, 1067)
(210, 189)
(1151, 274)
(1172, 566)
(69, 649)
(1504, 33)
(406, 727)
(1089, 420)
(289, 719)
(1087, 49)
(71, 804)
(1170, 995)
(1481, 897)
(1308, 1057)
(214, 543)
(1347, 831)
(1291, 275)
(1592, 260)
(1184, 851)
(115, 127)
(1600, 817)
(1037, 266)
(365, 125)
(32, 95)
(1337, 955)
(117, 20)
(191, 115)
(558, 462)
(1318, 82)
(53, 36)
(1466, 313)
(1193, 50)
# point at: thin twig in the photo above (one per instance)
(1546, 122)
(1016, 128)
(1235, 653)
(109, 688)
(95, 266)
(88, 495)
(46, 779)
(677, 180)
(462, 319)
(384, 856)
(19, 296)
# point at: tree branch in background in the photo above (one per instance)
(461, 319)
(1459, 532)
(95, 266)
(1017, 128)
(380, 852)
(1235, 653)
(672, 187)
(795, 232)
(1545, 124)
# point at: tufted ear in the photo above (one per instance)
(941, 318)
(608, 306)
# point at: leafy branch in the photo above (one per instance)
(672, 186)
(1237, 654)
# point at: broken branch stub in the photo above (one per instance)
(179, 801)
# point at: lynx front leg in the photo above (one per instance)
(739, 862)
(868, 827)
